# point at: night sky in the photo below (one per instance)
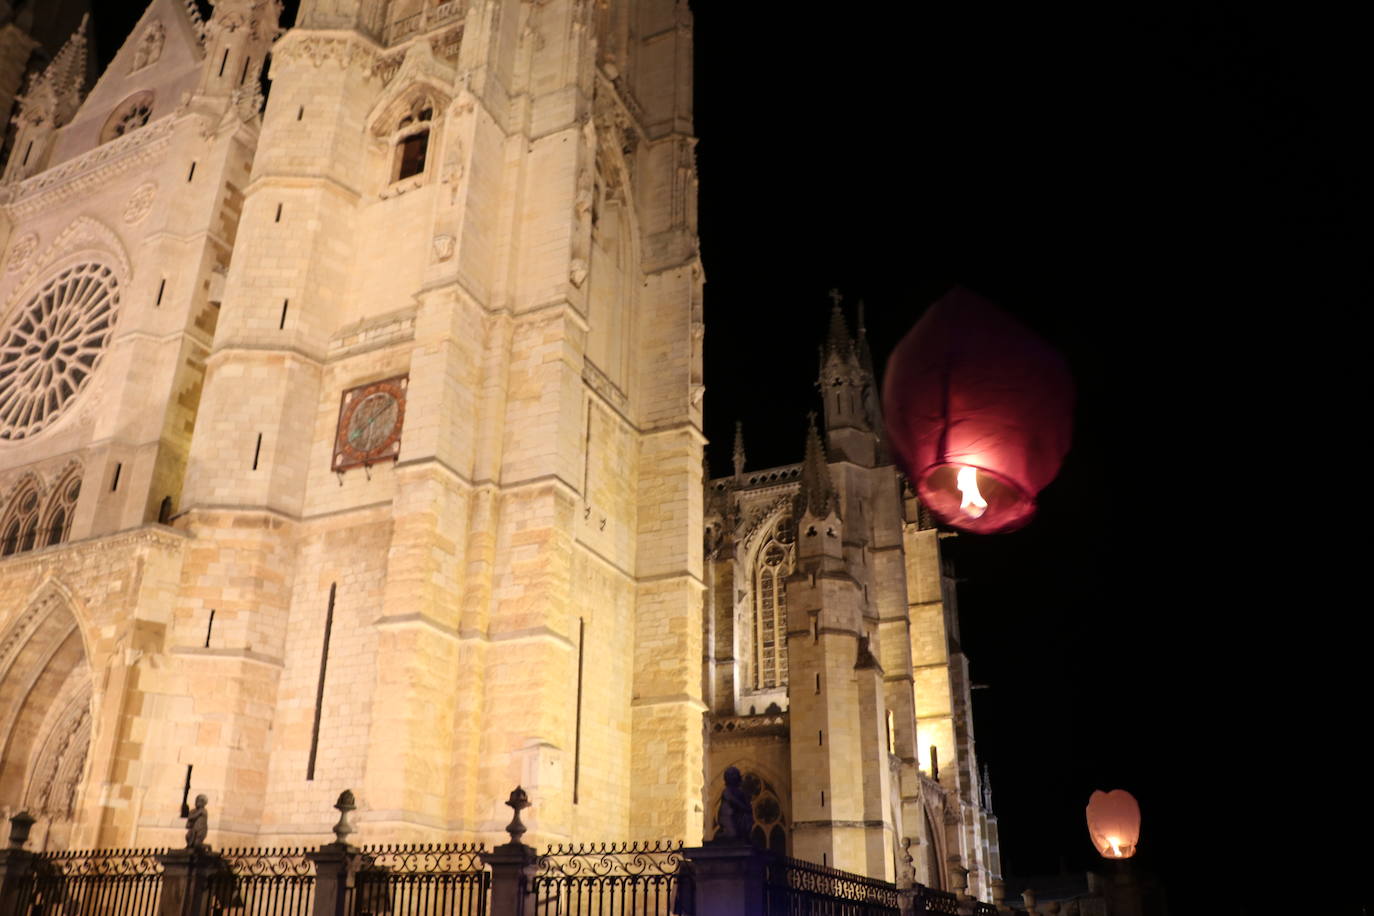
(1169, 197)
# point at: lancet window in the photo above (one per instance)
(20, 530)
(776, 559)
(412, 139)
(57, 524)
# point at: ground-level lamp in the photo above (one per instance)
(979, 412)
(1114, 823)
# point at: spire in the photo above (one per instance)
(67, 72)
(817, 497)
(838, 342)
(54, 95)
(861, 344)
(738, 453)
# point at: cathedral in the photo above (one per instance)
(351, 438)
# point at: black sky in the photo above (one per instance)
(1170, 196)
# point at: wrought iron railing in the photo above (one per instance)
(421, 880)
(612, 879)
(796, 888)
(260, 882)
(106, 882)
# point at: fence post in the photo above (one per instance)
(186, 878)
(336, 863)
(16, 867)
(512, 867)
(729, 878)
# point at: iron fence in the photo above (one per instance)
(421, 880)
(796, 888)
(259, 882)
(107, 882)
(612, 879)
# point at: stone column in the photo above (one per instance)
(16, 868)
(186, 878)
(729, 878)
(512, 867)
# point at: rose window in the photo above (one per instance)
(53, 345)
(132, 119)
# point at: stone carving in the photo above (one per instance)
(344, 805)
(735, 816)
(149, 46)
(197, 824)
(140, 202)
(577, 272)
(443, 247)
(21, 251)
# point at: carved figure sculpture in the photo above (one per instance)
(735, 816)
(197, 824)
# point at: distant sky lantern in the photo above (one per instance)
(1114, 823)
(979, 411)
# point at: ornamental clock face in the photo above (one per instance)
(370, 418)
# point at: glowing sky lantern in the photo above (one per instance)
(979, 411)
(1114, 823)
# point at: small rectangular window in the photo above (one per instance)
(114, 484)
(410, 154)
(160, 288)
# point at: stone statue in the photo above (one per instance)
(735, 816)
(197, 824)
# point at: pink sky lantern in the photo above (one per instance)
(979, 411)
(1114, 823)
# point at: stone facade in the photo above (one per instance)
(834, 675)
(484, 210)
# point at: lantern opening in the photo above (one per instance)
(1114, 823)
(973, 504)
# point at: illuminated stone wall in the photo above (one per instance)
(536, 284)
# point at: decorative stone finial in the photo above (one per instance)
(20, 825)
(518, 801)
(344, 805)
(738, 454)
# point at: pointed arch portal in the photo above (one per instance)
(45, 718)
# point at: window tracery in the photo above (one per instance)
(20, 531)
(53, 345)
(61, 508)
(130, 115)
(412, 139)
(31, 519)
(775, 561)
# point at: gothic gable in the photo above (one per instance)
(158, 63)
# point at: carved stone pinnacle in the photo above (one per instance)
(518, 801)
(344, 805)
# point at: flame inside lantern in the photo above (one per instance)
(973, 504)
(1114, 823)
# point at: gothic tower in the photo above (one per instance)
(393, 422)
(834, 677)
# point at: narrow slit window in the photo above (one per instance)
(319, 687)
(191, 174)
(300, 112)
(243, 77)
(278, 219)
(28, 149)
(285, 304)
(209, 628)
(257, 452)
(114, 484)
(222, 61)
(161, 288)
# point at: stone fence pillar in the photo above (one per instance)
(336, 863)
(16, 868)
(187, 876)
(512, 867)
(730, 878)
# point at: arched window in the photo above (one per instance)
(412, 139)
(21, 522)
(62, 508)
(131, 114)
(776, 559)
